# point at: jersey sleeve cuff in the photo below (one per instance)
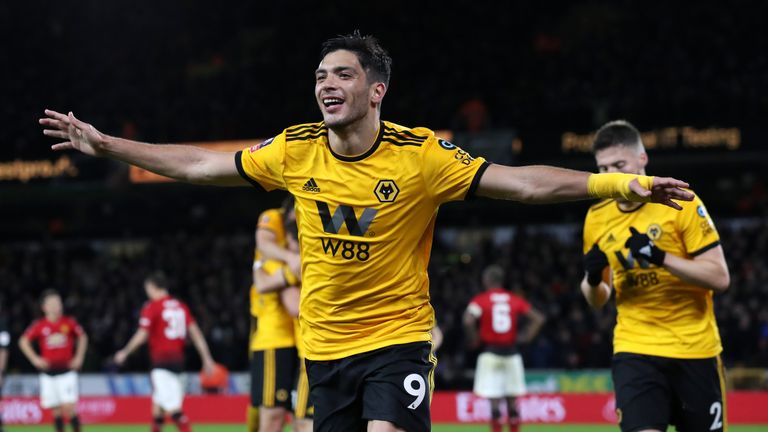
(241, 170)
(476, 181)
(705, 248)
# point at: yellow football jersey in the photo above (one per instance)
(275, 328)
(270, 219)
(658, 313)
(365, 229)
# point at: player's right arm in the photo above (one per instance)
(26, 347)
(181, 162)
(137, 340)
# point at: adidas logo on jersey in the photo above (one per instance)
(311, 186)
(611, 238)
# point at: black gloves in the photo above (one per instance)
(642, 247)
(594, 263)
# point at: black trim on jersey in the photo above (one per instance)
(243, 174)
(629, 211)
(361, 156)
(308, 135)
(401, 143)
(600, 204)
(712, 245)
(404, 137)
(476, 181)
(304, 128)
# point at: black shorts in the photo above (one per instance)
(654, 392)
(393, 384)
(273, 372)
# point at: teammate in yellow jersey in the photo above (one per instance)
(665, 266)
(283, 281)
(367, 193)
(274, 358)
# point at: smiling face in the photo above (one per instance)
(343, 91)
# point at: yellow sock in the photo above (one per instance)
(253, 419)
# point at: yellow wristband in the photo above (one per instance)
(289, 277)
(616, 185)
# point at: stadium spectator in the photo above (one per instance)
(62, 344)
(500, 375)
(165, 322)
(665, 266)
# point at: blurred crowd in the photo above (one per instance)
(101, 281)
(183, 71)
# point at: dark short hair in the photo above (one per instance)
(493, 275)
(373, 58)
(617, 133)
(48, 293)
(159, 279)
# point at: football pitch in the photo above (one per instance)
(436, 428)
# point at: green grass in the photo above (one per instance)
(436, 428)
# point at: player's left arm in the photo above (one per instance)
(538, 184)
(536, 322)
(82, 347)
(437, 337)
(198, 340)
(707, 270)
(289, 298)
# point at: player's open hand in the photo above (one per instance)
(76, 134)
(663, 191)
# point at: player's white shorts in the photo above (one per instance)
(167, 389)
(57, 390)
(499, 376)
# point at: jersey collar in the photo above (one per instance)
(361, 156)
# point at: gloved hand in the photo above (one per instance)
(642, 247)
(594, 263)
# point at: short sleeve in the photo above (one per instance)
(523, 306)
(451, 174)
(588, 237)
(272, 220)
(699, 232)
(190, 318)
(145, 320)
(475, 310)
(78, 329)
(262, 164)
(32, 332)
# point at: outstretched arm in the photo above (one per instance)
(537, 184)
(182, 162)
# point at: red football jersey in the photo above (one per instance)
(56, 340)
(498, 310)
(166, 320)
